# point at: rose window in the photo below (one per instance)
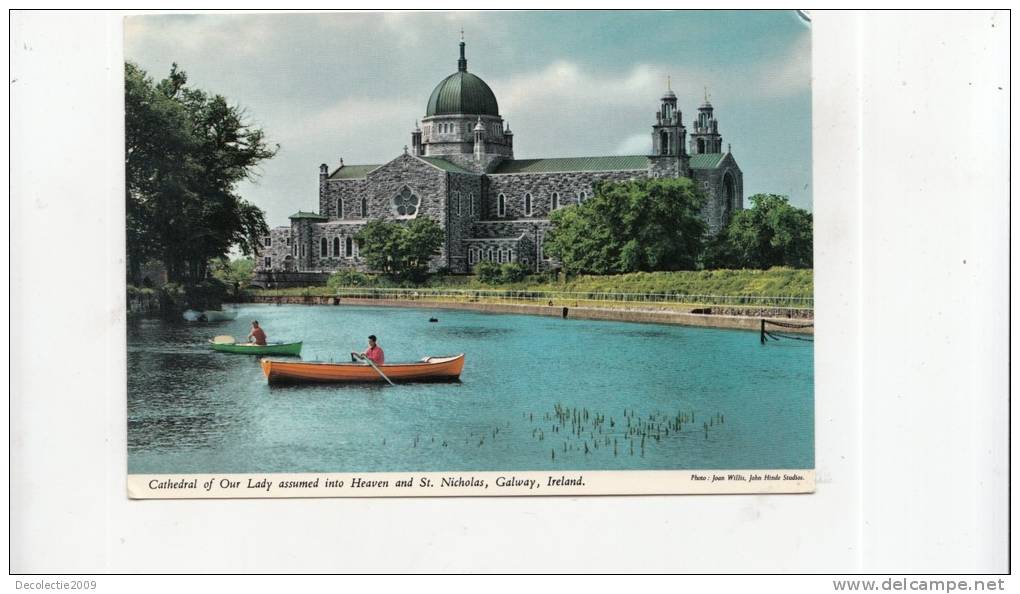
(406, 203)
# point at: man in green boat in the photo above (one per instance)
(373, 352)
(257, 335)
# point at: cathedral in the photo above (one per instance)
(459, 169)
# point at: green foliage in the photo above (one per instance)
(770, 233)
(488, 272)
(350, 278)
(761, 283)
(648, 224)
(512, 272)
(774, 282)
(401, 251)
(491, 273)
(186, 152)
(238, 271)
(134, 291)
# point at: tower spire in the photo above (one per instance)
(462, 62)
(669, 83)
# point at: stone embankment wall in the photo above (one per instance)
(747, 319)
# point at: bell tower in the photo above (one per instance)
(706, 137)
(669, 137)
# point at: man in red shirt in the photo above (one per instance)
(257, 334)
(373, 352)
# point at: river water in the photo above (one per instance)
(536, 393)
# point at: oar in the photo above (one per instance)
(377, 370)
(223, 340)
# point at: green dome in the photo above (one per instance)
(462, 92)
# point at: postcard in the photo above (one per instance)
(348, 276)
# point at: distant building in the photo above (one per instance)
(460, 170)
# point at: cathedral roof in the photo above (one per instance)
(623, 163)
(352, 171)
(706, 160)
(462, 92)
(445, 165)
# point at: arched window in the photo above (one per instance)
(527, 205)
(336, 247)
(323, 246)
(555, 201)
(472, 256)
(701, 145)
(501, 206)
(730, 191)
(490, 256)
(510, 256)
(582, 196)
(663, 143)
(349, 247)
(364, 207)
(339, 208)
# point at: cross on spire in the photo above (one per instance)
(462, 62)
(669, 83)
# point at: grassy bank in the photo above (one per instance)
(774, 282)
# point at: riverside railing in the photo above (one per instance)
(576, 297)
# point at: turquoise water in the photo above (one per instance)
(536, 393)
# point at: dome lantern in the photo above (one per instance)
(462, 93)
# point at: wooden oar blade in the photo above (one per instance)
(224, 340)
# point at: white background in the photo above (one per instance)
(911, 125)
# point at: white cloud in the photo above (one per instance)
(788, 75)
(237, 36)
(638, 144)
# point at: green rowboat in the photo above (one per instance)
(278, 348)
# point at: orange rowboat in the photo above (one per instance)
(428, 369)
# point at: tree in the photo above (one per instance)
(186, 152)
(488, 272)
(401, 250)
(237, 271)
(770, 233)
(641, 225)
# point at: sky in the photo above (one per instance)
(570, 84)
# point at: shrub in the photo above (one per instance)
(513, 272)
(349, 278)
(489, 272)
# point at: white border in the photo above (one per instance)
(910, 360)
